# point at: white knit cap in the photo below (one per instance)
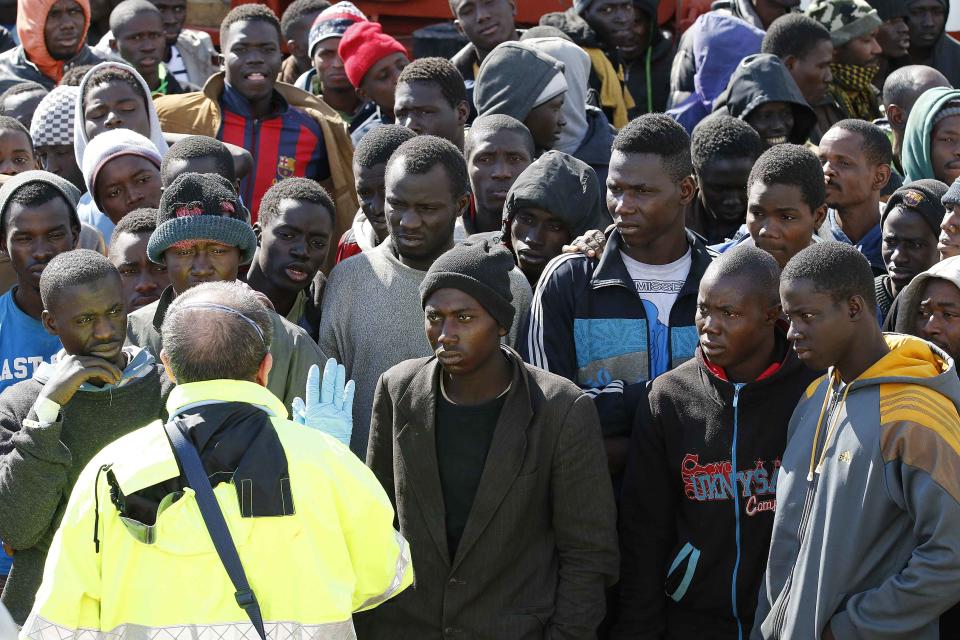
(109, 145)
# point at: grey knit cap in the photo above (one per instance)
(496, 89)
(480, 268)
(952, 197)
(201, 206)
(845, 19)
(70, 193)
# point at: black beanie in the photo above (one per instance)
(889, 9)
(922, 196)
(479, 268)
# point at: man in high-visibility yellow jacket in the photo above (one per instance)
(312, 526)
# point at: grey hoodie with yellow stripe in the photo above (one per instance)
(867, 539)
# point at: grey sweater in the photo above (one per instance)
(372, 320)
(39, 465)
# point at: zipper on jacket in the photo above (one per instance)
(737, 387)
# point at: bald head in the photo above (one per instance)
(127, 9)
(906, 84)
(216, 331)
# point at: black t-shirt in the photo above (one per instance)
(463, 437)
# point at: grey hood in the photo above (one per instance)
(910, 298)
(496, 89)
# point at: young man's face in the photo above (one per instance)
(939, 318)
(644, 199)
(945, 149)
(732, 320)
(174, 13)
(463, 335)
(485, 23)
(60, 159)
(421, 211)
(115, 105)
(126, 183)
(294, 244)
(194, 262)
(909, 246)
(252, 58)
(546, 122)
(36, 235)
(422, 108)
(142, 280)
(949, 244)
(851, 179)
(537, 237)
(90, 319)
(812, 72)
(380, 83)
(497, 158)
(773, 121)
(371, 192)
(141, 42)
(863, 51)
(894, 38)
(926, 20)
(612, 20)
(23, 105)
(820, 327)
(723, 188)
(329, 65)
(16, 155)
(63, 31)
(780, 221)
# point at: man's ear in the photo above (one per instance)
(463, 112)
(688, 189)
(459, 26)
(790, 62)
(49, 322)
(257, 231)
(463, 205)
(165, 359)
(856, 309)
(76, 235)
(363, 95)
(819, 215)
(263, 372)
(896, 116)
(881, 177)
(502, 332)
(294, 48)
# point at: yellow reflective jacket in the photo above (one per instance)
(338, 553)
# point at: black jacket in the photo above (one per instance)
(684, 527)
(652, 71)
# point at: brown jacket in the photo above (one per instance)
(198, 113)
(540, 544)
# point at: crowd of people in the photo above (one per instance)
(594, 330)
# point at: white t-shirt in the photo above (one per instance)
(659, 284)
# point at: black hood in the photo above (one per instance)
(760, 79)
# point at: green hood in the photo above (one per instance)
(915, 156)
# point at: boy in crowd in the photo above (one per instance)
(52, 424)
(931, 308)
(537, 103)
(931, 142)
(484, 24)
(137, 28)
(189, 55)
(930, 44)
(600, 27)
(509, 455)
(202, 235)
(295, 23)
(431, 99)
(289, 133)
(554, 200)
(497, 148)
(16, 147)
(856, 158)
(38, 221)
(373, 62)
(142, 279)
(52, 133)
(910, 223)
(872, 501)
(198, 154)
(21, 100)
(785, 203)
(52, 36)
(853, 26)
(293, 239)
(901, 90)
(721, 415)
(893, 36)
(806, 49)
(723, 149)
(369, 167)
(370, 315)
(613, 325)
(647, 60)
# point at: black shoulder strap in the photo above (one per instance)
(197, 480)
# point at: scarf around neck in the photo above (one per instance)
(852, 87)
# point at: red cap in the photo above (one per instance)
(363, 45)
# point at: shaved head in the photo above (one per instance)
(905, 85)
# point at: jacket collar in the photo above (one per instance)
(416, 411)
(166, 299)
(237, 103)
(210, 391)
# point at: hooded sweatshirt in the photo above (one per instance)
(497, 91)
(917, 138)
(912, 295)
(718, 43)
(869, 541)
(686, 536)
(760, 79)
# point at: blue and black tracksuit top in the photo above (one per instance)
(588, 324)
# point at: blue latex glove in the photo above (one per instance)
(329, 405)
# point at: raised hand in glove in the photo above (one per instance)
(329, 404)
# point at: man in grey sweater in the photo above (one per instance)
(53, 423)
(372, 318)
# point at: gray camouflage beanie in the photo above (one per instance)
(845, 19)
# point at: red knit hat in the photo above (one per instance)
(363, 45)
